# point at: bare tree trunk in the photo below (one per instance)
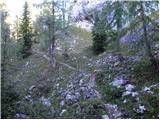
(118, 17)
(120, 57)
(153, 61)
(52, 58)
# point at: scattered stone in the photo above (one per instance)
(148, 89)
(84, 57)
(141, 109)
(113, 111)
(154, 86)
(31, 88)
(126, 93)
(64, 110)
(27, 97)
(21, 116)
(116, 63)
(118, 82)
(62, 103)
(27, 63)
(105, 117)
(129, 87)
(70, 85)
(88, 92)
(135, 94)
(124, 101)
(57, 85)
(81, 82)
(45, 101)
(71, 98)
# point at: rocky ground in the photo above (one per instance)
(100, 92)
(100, 86)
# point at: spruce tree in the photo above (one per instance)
(98, 36)
(26, 32)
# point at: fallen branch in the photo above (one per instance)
(47, 58)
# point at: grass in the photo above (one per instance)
(83, 38)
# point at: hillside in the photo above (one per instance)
(98, 87)
(82, 60)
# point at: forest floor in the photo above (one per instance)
(97, 86)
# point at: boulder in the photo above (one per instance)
(21, 116)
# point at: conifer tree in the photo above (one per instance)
(99, 36)
(26, 32)
(138, 9)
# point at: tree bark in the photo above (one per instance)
(51, 51)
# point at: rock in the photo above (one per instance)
(135, 94)
(154, 86)
(64, 110)
(81, 82)
(146, 89)
(71, 98)
(129, 87)
(62, 103)
(70, 85)
(45, 101)
(21, 116)
(57, 85)
(77, 94)
(113, 111)
(124, 101)
(118, 82)
(31, 89)
(27, 63)
(84, 57)
(88, 92)
(105, 117)
(116, 63)
(126, 93)
(140, 109)
(27, 97)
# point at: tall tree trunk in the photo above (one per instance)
(52, 58)
(118, 17)
(153, 61)
(63, 13)
(3, 41)
(120, 57)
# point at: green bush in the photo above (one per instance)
(9, 97)
(92, 108)
(99, 38)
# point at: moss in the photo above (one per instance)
(92, 108)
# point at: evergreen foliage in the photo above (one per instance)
(26, 32)
(99, 36)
